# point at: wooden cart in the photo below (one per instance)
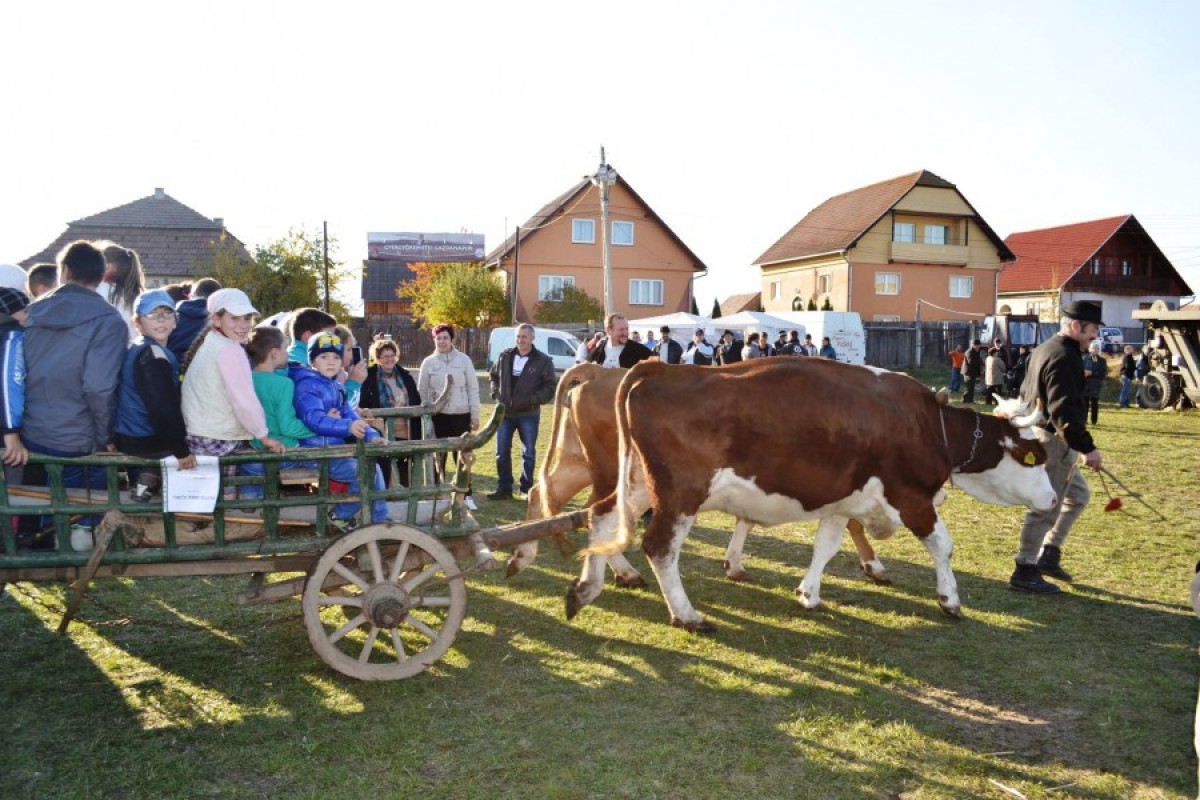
(382, 602)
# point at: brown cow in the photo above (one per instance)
(876, 446)
(583, 453)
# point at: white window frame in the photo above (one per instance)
(824, 283)
(577, 234)
(884, 277)
(905, 232)
(957, 280)
(887, 318)
(645, 292)
(776, 289)
(550, 287)
(942, 229)
(616, 240)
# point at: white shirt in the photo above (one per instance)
(705, 349)
(519, 362)
(612, 355)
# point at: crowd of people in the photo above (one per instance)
(728, 349)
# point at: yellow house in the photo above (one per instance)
(652, 269)
(908, 248)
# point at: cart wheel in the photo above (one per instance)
(369, 618)
(1158, 391)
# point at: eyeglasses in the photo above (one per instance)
(162, 316)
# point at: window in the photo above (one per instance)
(550, 287)
(645, 292)
(622, 233)
(824, 282)
(1125, 270)
(887, 317)
(583, 231)
(1095, 266)
(935, 234)
(776, 289)
(558, 347)
(904, 231)
(1035, 307)
(887, 283)
(962, 286)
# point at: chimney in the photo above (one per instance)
(159, 193)
(220, 222)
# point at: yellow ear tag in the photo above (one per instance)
(1030, 459)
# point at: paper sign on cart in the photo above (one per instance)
(194, 490)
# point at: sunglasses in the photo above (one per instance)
(162, 316)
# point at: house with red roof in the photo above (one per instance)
(653, 270)
(911, 247)
(1112, 262)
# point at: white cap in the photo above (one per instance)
(233, 301)
(12, 276)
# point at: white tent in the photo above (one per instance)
(752, 321)
(681, 324)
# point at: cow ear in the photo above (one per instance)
(943, 396)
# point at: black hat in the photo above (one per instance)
(1083, 311)
(664, 329)
(728, 333)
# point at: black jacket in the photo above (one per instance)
(630, 355)
(370, 395)
(193, 314)
(973, 366)
(1055, 376)
(674, 353)
(728, 353)
(521, 396)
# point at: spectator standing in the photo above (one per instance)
(636, 337)
(1018, 371)
(700, 353)
(74, 346)
(1055, 378)
(587, 346)
(149, 415)
(651, 343)
(123, 281)
(827, 350)
(193, 316)
(523, 380)
(753, 349)
(389, 385)
(1095, 369)
(1128, 375)
(668, 350)
(810, 349)
(461, 413)
(972, 370)
(43, 278)
(616, 349)
(781, 347)
(957, 357)
(993, 377)
(729, 349)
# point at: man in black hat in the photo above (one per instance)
(729, 349)
(668, 350)
(1055, 377)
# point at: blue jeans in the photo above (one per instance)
(72, 477)
(955, 379)
(1126, 383)
(527, 429)
(344, 470)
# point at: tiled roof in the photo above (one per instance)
(1047, 258)
(558, 204)
(172, 240)
(841, 220)
(380, 279)
(751, 301)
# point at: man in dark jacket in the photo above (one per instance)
(729, 349)
(74, 347)
(668, 350)
(616, 349)
(972, 370)
(1055, 378)
(522, 380)
(193, 314)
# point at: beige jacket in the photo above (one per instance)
(464, 394)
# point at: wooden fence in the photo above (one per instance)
(906, 345)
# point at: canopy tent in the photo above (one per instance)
(752, 321)
(681, 324)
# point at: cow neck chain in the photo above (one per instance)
(975, 437)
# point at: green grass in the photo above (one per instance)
(170, 689)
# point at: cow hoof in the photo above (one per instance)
(695, 626)
(739, 576)
(877, 575)
(806, 601)
(951, 611)
(635, 582)
(514, 566)
(574, 603)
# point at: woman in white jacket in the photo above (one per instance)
(461, 412)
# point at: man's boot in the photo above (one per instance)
(1048, 563)
(1027, 578)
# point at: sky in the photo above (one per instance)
(731, 119)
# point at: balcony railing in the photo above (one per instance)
(922, 253)
(1123, 284)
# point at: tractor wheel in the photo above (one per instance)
(1158, 390)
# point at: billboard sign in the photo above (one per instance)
(425, 246)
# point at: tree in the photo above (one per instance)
(462, 293)
(812, 304)
(282, 275)
(695, 308)
(572, 305)
(716, 309)
(827, 306)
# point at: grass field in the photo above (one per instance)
(168, 689)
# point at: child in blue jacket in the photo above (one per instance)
(322, 406)
(13, 303)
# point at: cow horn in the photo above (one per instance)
(943, 396)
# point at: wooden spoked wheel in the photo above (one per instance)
(371, 617)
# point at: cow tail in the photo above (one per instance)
(629, 471)
(575, 376)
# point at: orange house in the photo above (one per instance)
(908, 248)
(560, 245)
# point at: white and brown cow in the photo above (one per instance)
(873, 445)
(583, 453)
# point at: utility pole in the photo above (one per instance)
(604, 178)
(325, 263)
(516, 271)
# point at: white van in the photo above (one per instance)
(559, 345)
(844, 329)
